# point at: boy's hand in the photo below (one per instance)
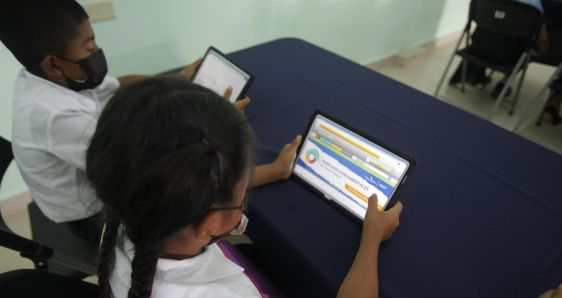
(284, 162)
(227, 93)
(239, 104)
(379, 226)
(189, 70)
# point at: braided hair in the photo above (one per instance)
(163, 152)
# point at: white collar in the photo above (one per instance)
(211, 265)
(89, 93)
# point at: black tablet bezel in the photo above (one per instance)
(392, 201)
(248, 83)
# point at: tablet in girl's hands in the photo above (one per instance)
(347, 166)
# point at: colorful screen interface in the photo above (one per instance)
(348, 168)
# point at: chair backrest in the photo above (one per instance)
(38, 253)
(507, 17)
(6, 157)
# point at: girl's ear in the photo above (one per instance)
(211, 225)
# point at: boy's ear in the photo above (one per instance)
(51, 67)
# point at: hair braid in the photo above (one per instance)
(107, 253)
(143, 269)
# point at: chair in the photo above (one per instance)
(28, 283)
(54, 247)
(30, 249)
(507, 19)
(72, 253)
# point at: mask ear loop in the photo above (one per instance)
(77, 63)
(77, 81)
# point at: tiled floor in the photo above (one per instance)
(424, 71)
(421, 72)
(10, 260)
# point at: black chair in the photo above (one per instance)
(28, 283)
(54, 247)
(505, 18)
(73, 254)
(27, 248)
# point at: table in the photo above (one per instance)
(482, 211)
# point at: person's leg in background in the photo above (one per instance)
(554, 54)
(552, 108)
(475, 75)
(491, 47)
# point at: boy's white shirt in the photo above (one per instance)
(210, 274)
(51, 129)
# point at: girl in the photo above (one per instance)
(174, 180)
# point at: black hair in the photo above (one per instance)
(163, 152)
(32, 29)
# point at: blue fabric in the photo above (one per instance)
(482, 211)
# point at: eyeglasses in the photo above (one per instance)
(243, 206)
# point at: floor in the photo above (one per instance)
(421, 72)
(19, 223)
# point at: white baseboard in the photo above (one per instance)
(398, 59)
(15, 204)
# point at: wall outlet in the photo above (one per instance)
(99, 10)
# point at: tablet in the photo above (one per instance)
(217, 73)
(347, 166)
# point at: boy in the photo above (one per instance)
(57, 101)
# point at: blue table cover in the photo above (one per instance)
(482, 211)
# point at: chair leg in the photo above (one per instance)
(516, 97)
(555, 75)
(444, 74)
(463, 76)
(448, 65)
(530, 107)
(507, 84)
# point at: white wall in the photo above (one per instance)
(150, 36)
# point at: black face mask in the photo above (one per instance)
(95, 68)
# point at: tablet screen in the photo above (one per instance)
(348, 168)
(217, 74)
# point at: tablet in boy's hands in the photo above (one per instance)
(218, 73)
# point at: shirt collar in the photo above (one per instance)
(46, 83)
(209, 266)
